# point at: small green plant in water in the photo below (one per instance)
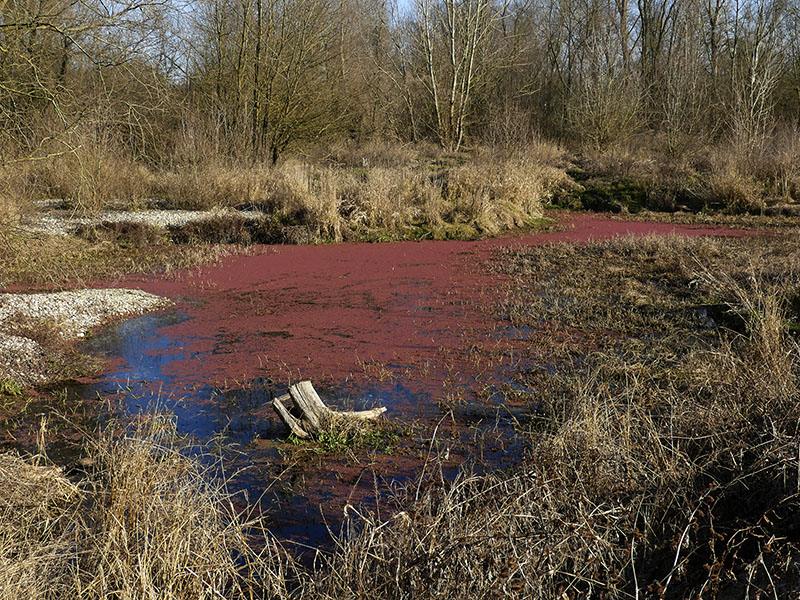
(9, 387)
(378, 439)
(382, 440)
(335, 442)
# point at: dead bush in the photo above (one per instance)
(371, 153)
(216, 229)
(385, 198)
(500, 196)
(729, 189)
(309, 197)
(92, 178)
(16, 195)
(202, 187)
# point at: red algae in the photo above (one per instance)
(329, 312)
(410, 325)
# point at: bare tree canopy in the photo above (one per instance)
(169, 80)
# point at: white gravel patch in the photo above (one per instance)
(78, 311)
(22, 360)
(48, 224)
(66, 224)
(73, 313)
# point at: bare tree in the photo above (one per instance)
(451, 36)
(685, 94)
(755, 47)
(274, 68)
(392, 78)
(49, 49)
(656, 20)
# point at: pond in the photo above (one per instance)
(410, 326)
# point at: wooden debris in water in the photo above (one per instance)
(307, 414)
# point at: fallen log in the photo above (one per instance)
(307, 414)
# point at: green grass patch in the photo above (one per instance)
(9, 387)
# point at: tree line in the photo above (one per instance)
(172, 82)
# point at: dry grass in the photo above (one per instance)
(395, 202)
(202, 187)
(489, 536)
(124, 234)
(93, 178)
(731, 187)
(664, 459)
(721, 178)
(147, 522)
(378, 191)
(386, 190)
(54, 261)
(497, 197)
(373, 153)
(15, 198)
(37, 509)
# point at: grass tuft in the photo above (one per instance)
(149, 521)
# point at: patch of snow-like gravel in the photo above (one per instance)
(72, 313)
(48, 224)
(65, 224)
(22, 360)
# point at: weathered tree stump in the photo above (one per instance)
(307, 413)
